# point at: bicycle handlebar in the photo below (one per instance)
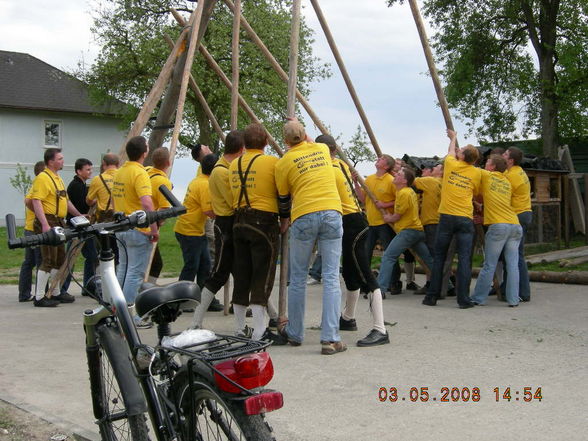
(59, 235)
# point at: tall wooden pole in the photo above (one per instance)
(346, 78)
(235, 65)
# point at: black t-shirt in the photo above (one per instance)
(77, 192)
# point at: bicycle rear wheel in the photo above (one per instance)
(115, 420)
(216, 419)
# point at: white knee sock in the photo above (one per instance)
(350, 304)
(42, 279)
(409, 270)
(206, 297)
(240, 314)
(259, 323)
(271, 309)
(377, 311)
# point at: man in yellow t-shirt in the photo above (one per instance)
(51, 205)
(461, 182)
(308, 196)
(504, 232)
(131, 191)
(100, 191)
(189, 228)
(32, 258)
(521, 203)
(222, 206)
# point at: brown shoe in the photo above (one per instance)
(332, 347)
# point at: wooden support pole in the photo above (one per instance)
(586, 207)
(346, 78)
(566, 209)
(235, 65)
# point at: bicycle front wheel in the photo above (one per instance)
(214, 419)
(109, 383)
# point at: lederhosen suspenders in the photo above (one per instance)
(348, 178)
(108, 190)
(57, 191)
(243, 179)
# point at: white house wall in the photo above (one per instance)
(22, 142)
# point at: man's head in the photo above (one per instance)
(53, 159)
(437, 171)
(385, 163)
(294, 133)
(329, 141)
(207, 163)
(83, 168)
(496, 163)
(160, 158)
(513, 156)
(234, 142)
(198, 151)
(110, 160)
(137, 148)
(39, 167)
(468, 154)
(404, 177)
(426, 171)
(255, 136)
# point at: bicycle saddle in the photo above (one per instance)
(163, 303)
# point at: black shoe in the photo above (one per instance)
(423, 290)
(273, 325)
(451, 292)
(347, 325)
(374, 338)
(396, 289)
(412, 286)
(526, 299)
(467, 305)
(187, 310)
(28, 299)
(285, 335)
(215, 306)
(429, 301)
(64, 298)
(275, 339)
(45, 303)
(513, 306)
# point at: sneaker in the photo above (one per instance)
(273, 325)
(374, 338)
(332, 347)
(64, 298)
(395, 289)
(27, 299)
(45, 303)
(215, 306)
(246, 332)
(143, 324)
(423, 290)
(429, 301)
(312, 281)
(275, 339)
(412, 286)
(347, 325)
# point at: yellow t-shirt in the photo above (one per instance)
(461, 181)
(220, 189)
(306, 173)
(497, 193)
(44, 189)
(385, 191)
(158, 178)
(29, 214)
(431, 188)
(521, 189)
(260, 181)
(130, 183)
(196, 201)
(348, 202)
(407, 205)
(99, 192)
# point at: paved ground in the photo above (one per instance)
(539, 344)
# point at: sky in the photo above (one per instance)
(379, 45)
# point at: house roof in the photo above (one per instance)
(29, 83)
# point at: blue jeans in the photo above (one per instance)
(463, 229)
(132, 264)
(408, 238)
(499, 237)
(525, 219)
(32, 259)
(90, 261)
(326, 227)
(316, 268)
(196, 258)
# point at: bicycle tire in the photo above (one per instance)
(109, 405)
(232, 424)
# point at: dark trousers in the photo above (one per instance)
(385, 234)
(156, 264)
(90, 262)
(196, 258)
(256, 236)
(224, 250)
(357, 271)
(32, 260)
(462, 228)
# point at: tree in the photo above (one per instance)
(133, 52)
(359, 149)
(21, 181)
(514, 67)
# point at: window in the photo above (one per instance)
(52, 134)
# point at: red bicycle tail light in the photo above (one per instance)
(263, 403)
(250, 372)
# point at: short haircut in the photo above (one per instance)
(390, 161)
(207, 163)
(135, 148)
(110, 159)
(499, 162)
(39, 167)
(515, 154)
(409, 176)
(294, 133)
(234, 142)
(497, 151)
(49, 155)
(328, 140)
(81, 163)
(160, 157)
(470, 154)
(255, 136)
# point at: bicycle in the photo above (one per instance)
(212, 388)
